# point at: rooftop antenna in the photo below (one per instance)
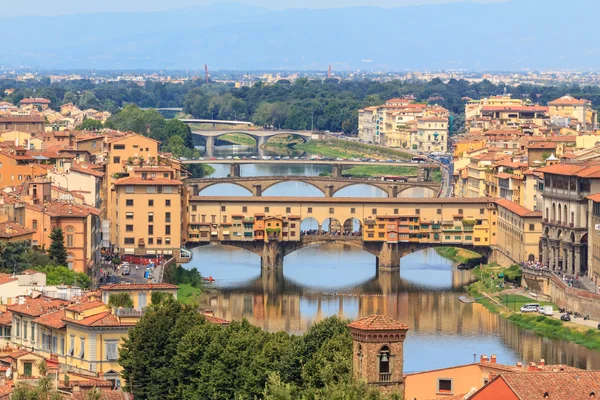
(206, 72)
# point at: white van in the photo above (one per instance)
(533, 307)
(547, 310)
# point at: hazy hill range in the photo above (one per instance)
(511, 35)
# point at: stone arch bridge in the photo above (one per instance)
(387, 255)
(261, 136)
(329, 186)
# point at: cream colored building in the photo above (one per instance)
(148, 213)
(82, 179)
(570, 107)
(431, 135)
(519, 231)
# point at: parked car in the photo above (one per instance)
(565, 317)
(533, 307)
(126, 270)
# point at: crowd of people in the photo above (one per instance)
(534, 265)
(314, 232)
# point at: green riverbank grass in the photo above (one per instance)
(187, 293)
(238, 138)
(347, 149)
(557, 329)
(456, 254)
(514, 302)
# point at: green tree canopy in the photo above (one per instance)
(90, 125)
(118, 300)
(57, 251)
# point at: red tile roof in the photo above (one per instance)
(594, 197)
(103, 319)
(104, 395)
(541, 146)
(559, 385)
(516, 108)
(582, 171)
(567, 100)
(60, 209)
(5, 278)
(216, 320)
(28, 119)
(518, 209)
(35, 100)
(52, 320)
(139, 286)
(6, 318)
(87, 305)
(85, 169)
(377, 323)
(37, 307)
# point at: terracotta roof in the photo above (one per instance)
(433, 119)
(582, 171)
(331, 200)
(104, 395)
(85, 169)
(99, 320)
(39, 306)
(23, 119)
(35, 100)
(518, 209)
(5, 278)
(151, 181)
(60, 209)
(52, 320)
(86, 305)
(594, 197)
(567, 100)
(504, 175)
(139, 286)
(377, 323)
(153, 169)
(6, 318)
(558, 385)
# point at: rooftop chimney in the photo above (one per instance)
(532, 367)
(519, 364)
(483, 358)
(542, 362)
(493, 359)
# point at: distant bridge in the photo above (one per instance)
(215, 122)
(329, 186)
(260, 136)
(179, 109)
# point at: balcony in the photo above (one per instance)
(385, 377)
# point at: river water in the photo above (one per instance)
(326, 280)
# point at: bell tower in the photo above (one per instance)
(378, 352)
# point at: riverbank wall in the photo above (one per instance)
(546, 283)
(501, 257)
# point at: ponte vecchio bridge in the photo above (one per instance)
(388, 228)
(329, 186)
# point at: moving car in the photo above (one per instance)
(532, 307)
(546, 310)
(565, 317)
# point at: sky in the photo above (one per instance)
(63, 7)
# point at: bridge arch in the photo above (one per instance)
(377, 185)
(352, 226)
(289, 134)
(403, 189)
(332, 224)
(255, 138)
(306, 181)
(202, 188)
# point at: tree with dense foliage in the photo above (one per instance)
(12, 256)
(44, 388)
(90, 124)
(61, 275)
(57, 250)
(174, 353)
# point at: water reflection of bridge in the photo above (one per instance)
(274, 303)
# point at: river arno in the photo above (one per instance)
(328, 280)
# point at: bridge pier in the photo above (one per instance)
(257, 190)
(329, 191)
(388, 255)
(336, 171)
(393, 191)
(234, 171)
(272, 255)
(260, 140)
(425, 174)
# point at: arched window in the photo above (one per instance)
(70, 260)
(565, 219)
(70, 236)
(385, 372)
(553, 212)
